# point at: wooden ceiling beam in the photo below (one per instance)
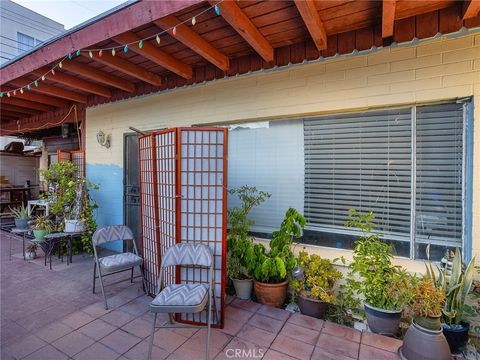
(19, 109)
(232, 14)
(51, 90)
(74, 82)
(125, 66)
(191, 39)
(98, 75)
(473, 9)
(27, 104)
(388, 18)
(11, 114)
(314, 24)
(39, 98)
(156, 55)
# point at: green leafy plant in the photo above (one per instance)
(372, 273)
(41, 222)
(456, 287)
(319, 279)
(20, 212)
(88, 217)
(239, 243)
(275, 265)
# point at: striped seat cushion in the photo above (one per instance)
(181, 295)
(120, 261)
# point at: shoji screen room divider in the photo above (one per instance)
(183, 187)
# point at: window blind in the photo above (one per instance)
(269, 157)
(360, 161)
(439, 174)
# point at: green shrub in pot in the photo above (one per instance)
(456, 286)
(239, 242)
(316, 289)
(272, 267)
(426, 303)
(41, 227)
(372, 275)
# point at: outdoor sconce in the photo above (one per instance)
(103, 140)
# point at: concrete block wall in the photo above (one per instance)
(437, 69)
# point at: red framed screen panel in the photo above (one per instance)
(77, 157)
(183, 186)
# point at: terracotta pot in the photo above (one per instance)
(271, 294)
(311, 307)
(430, 322)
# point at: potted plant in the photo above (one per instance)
(424, 338)
(21, 216)
(456, 286)
(239, 242)
(272, 268)
(31, 252)
(372, 275)
(315, 290)
(74, 211)
(41, 227)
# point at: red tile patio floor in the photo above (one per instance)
(52, 314)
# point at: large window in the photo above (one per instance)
(24, 42)
(405, 165)
(410, 166)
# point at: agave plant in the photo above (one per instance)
(20, 212)
(456, 287)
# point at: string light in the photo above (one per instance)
(91, 52)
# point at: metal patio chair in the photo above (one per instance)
(113, 264)
(184, 298)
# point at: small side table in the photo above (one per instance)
(23, 232)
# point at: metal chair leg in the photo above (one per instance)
(150, 345)
(209, 325)
(143, 279)
(131, 276)
(94, 276)
(103, 290)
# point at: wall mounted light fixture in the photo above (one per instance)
(103, 139)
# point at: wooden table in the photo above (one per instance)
(26, 194)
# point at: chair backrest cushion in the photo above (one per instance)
(112, 233)
(188, 254)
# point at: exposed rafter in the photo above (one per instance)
(75, 83)
(195, 42)
(232, 14)
(39, 98)
(19, 109)
(98, 75)
(388, 17)
(156, 55)
(11, 114)
(27, 104)
(473, 9)
(129, 68)
(52, 90)
(314, 24)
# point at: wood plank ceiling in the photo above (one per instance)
(247, 36)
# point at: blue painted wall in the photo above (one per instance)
(109, 196)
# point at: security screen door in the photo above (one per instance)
(183, 183)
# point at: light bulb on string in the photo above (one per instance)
(140, 44)
(53, 71)
(1, 94)
(8, 94)
(174, 31)
(100, 53)
(14, 92)
(78, 52)
(194, 21)
(217, 10)
(125, 49)
(60, 65)
(113, 52)
(69, 56)
(21, 91)
(43, 77)
(36, 83)
(158, 39)
(90, 54)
